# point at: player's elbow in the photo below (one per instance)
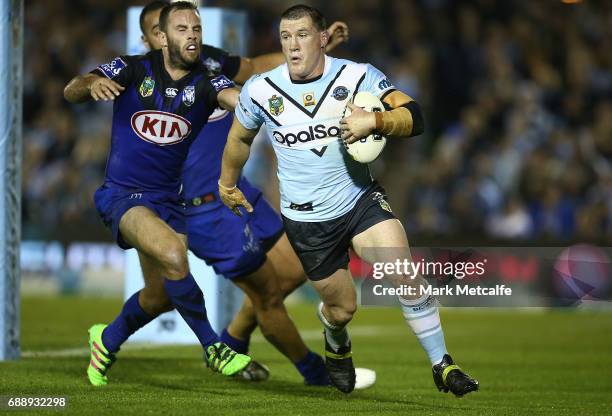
(71, 91)
(78, 89)
(68, 93)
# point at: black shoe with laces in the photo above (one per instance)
(449, 377)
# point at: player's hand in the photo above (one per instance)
(337, 33)
(358, 125)
(105, 89)
(233, 198)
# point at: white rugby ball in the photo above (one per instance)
(367, 149)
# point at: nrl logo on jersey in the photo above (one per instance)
(276, 105)
(146, 87)
(213, 66)
(189, 95)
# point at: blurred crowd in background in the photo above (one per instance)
(517, 98)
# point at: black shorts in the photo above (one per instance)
(323, 246)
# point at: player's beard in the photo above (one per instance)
(177, 60)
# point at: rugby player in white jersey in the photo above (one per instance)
(330, 202)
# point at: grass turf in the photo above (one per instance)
(535, 363)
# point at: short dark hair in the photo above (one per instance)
(178, 5)
(151, 7)
(301, 10)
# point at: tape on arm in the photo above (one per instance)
(403, 121)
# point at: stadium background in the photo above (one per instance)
(517, 99)
(518, 104)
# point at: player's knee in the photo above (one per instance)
(342, 314)
(268, 300)
(174, 261)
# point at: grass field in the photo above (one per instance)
(528, 363)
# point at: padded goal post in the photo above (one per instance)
(11, 67)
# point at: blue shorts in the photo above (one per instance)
(113, 201)
(234, 246)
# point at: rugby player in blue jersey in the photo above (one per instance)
(330, 202)
(139, 200)
(251, 250)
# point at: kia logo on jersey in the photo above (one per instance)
(160, 128)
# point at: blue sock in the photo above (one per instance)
(423, 318)
(188, 300)
(236, 344)
(131, 318)
(312, 368)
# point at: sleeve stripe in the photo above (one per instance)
(113, 68)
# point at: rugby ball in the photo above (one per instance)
(367, 149)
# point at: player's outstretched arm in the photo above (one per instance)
(228, 98)
(403, 119)
(337, 32)
(235, 155)
(85, 87)
(257, 65)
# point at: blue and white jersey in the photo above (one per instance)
(319, 180)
